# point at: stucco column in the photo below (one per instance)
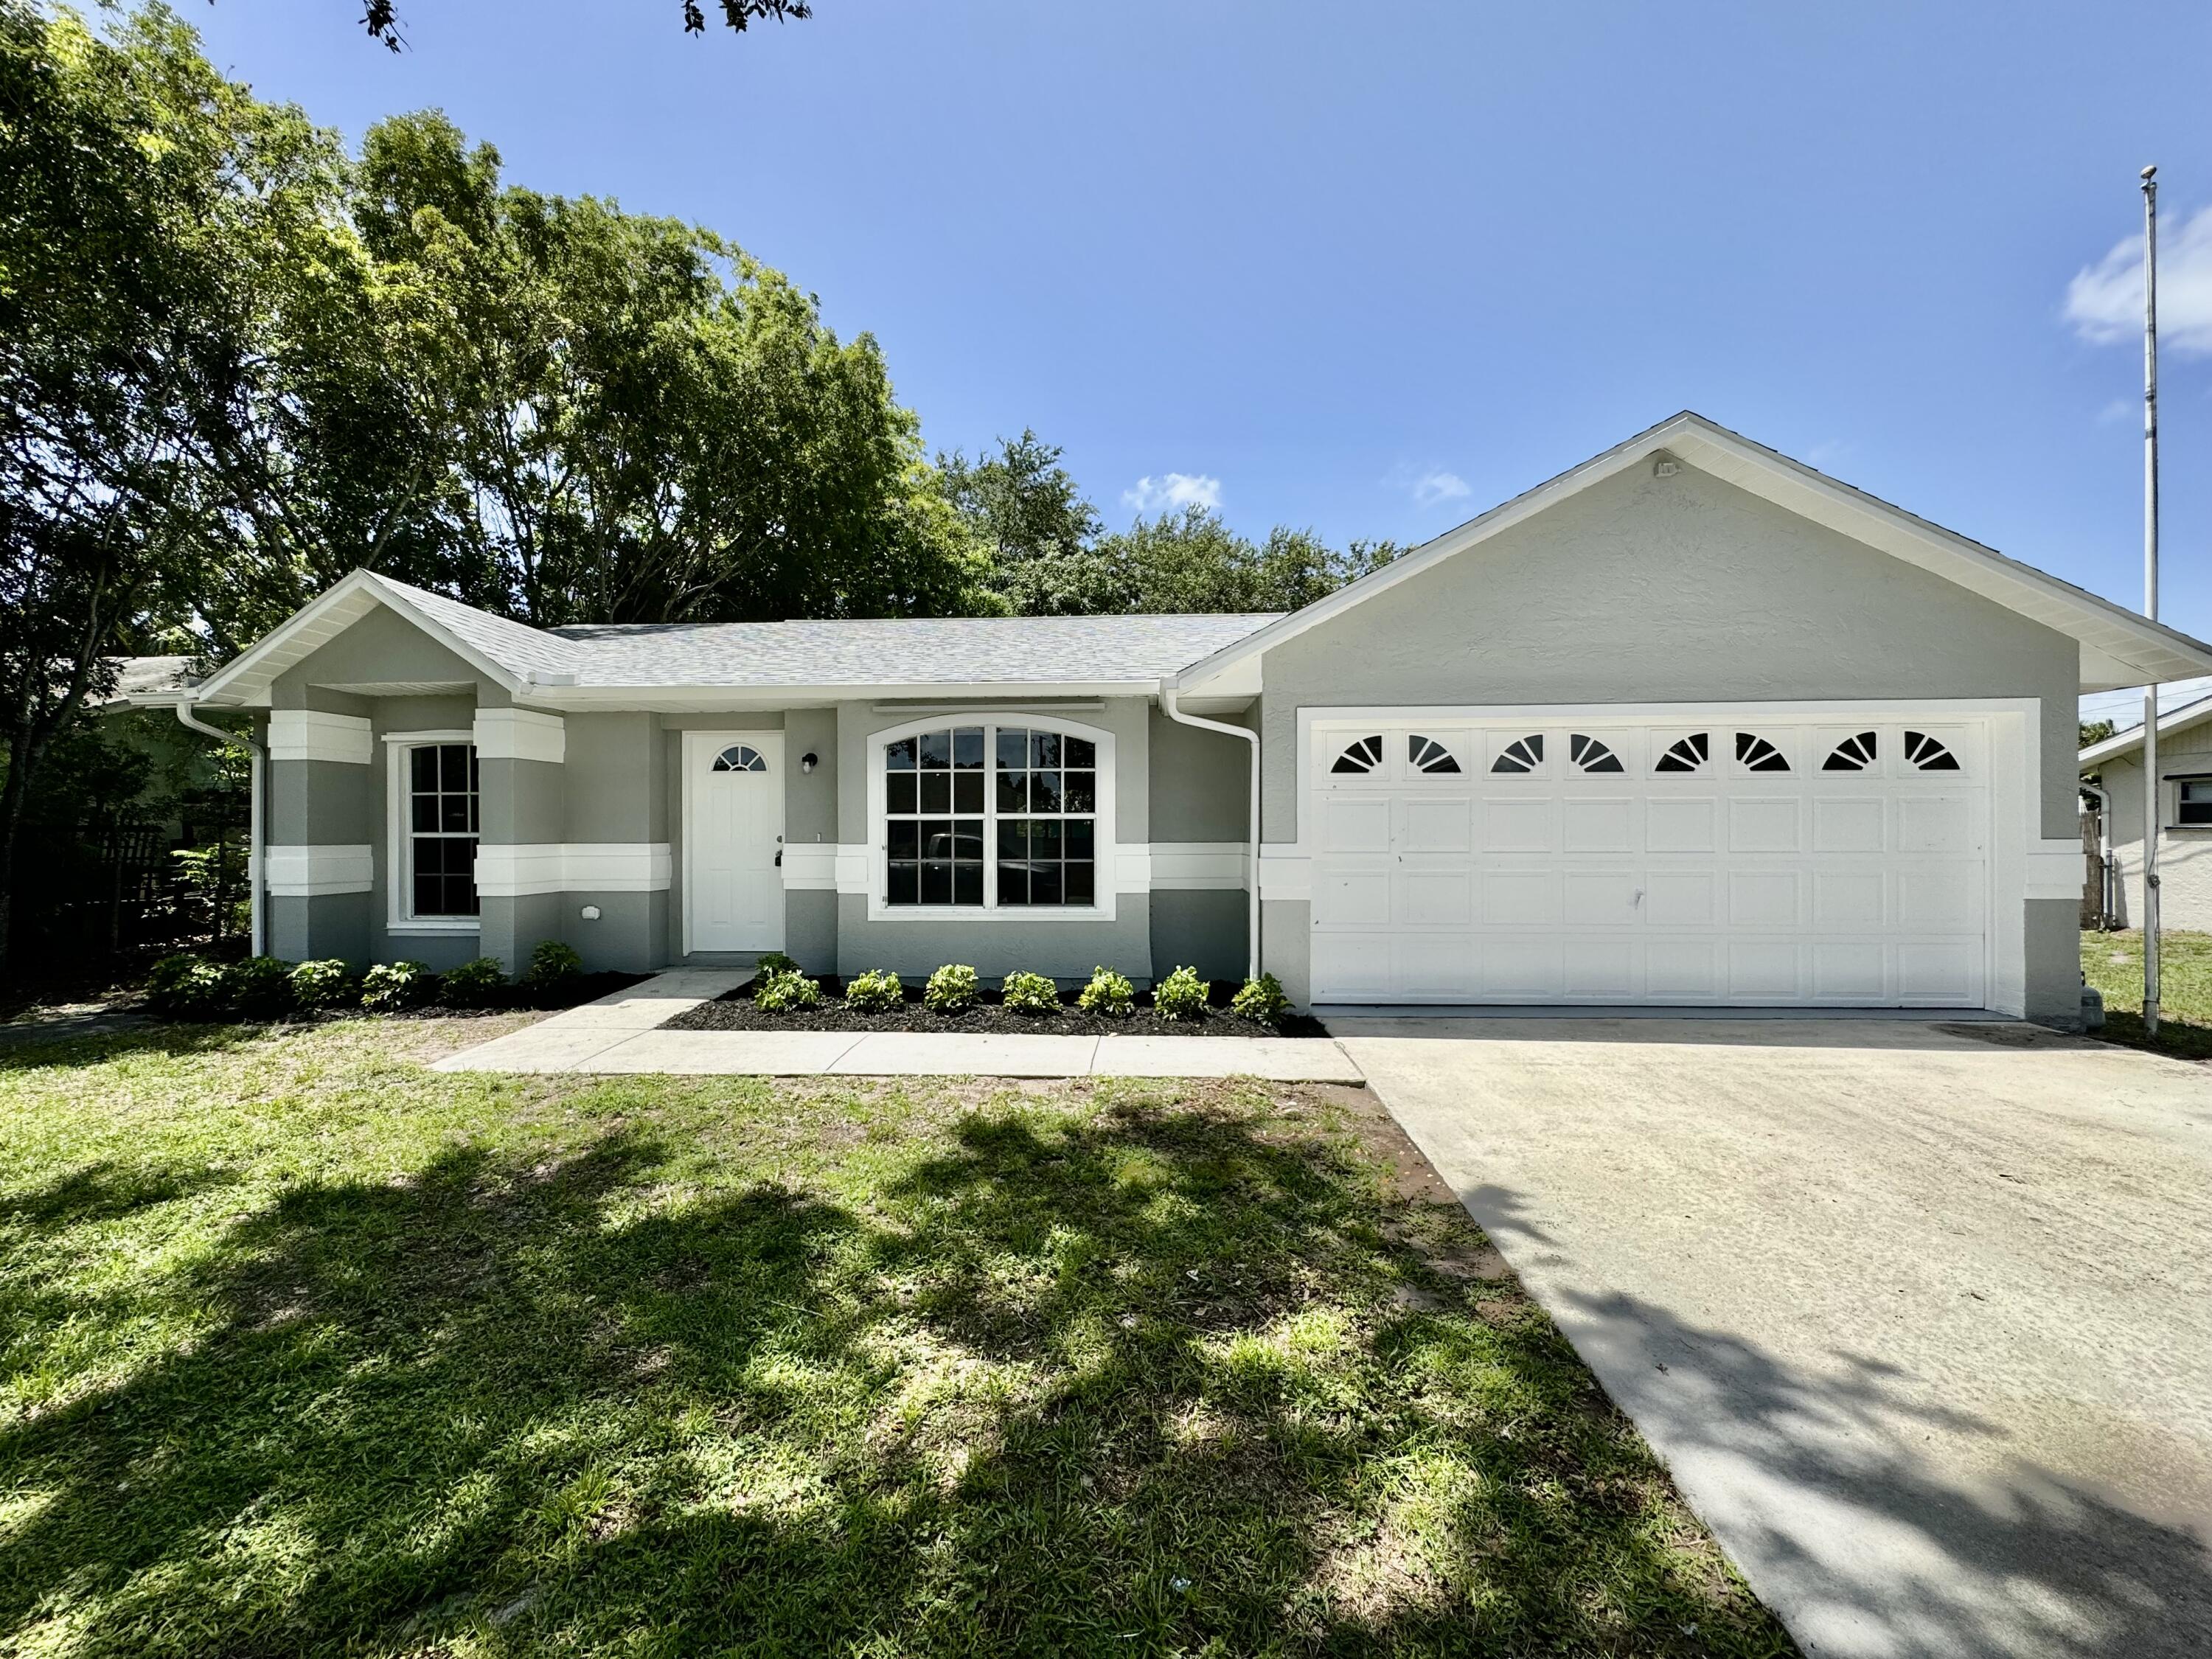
(320, 865)
(521, 816)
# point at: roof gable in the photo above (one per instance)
(2117, 646)
(2187, 717)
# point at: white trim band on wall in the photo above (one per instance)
(2054, 869)
(812, 865)
(309, 734)
(517, 871)
(521, 734)
(307, 871)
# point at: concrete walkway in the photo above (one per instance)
(1920, 1318)
(619, 1033)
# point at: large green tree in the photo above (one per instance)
(144, 202)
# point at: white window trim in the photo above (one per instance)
(1105, 878)
(400, 848)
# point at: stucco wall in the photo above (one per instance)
(1200, 782)
(2184, 856)
(1643, 590)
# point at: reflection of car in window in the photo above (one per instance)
(962, 844)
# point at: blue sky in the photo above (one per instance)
(1374, 269)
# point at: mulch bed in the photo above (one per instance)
(735, 1013)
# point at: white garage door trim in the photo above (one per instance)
(2006, 734)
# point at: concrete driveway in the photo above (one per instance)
(1920, 1316)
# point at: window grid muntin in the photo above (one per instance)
(1024, 799)
(739, 757)
(444, 819)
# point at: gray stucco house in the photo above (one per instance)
(1689, 724)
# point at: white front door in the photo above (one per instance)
(732, 841)
(1723, 859)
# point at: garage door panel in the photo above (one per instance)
(1850, 823)
(1600, 969)
(1355, 824)
(1518, 824)
(1945, 899)
(1681, 824)
(1520, 967)
(1682, 899)
(1436, 964)
(1763, 970)
(1849, 970)
(1599, 899)
(1850, 900)
(1354, 968)
(1764, 824)
(1434, 898)
(1939, 973)
(1445, 825)
(1682, 970)
(1764, 899)
(1599, 824)
(1521, 898)
(1935, 824)
(1352, 898)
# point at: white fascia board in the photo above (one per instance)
(244, 681)
(2189, 715)
(2117, 646)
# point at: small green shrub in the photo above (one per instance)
(783, 994)
(552, 963)
(260, 988)
(875, 993)
(319, 984)
(474, 984)
(393, 985)
(1262, 1000)
(1181, 995)
(186, 986)
(773, 962)
(1030, 994)
(951, 989)
(1109, 994)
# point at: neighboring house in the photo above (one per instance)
(2184, 835)
(1689, 724)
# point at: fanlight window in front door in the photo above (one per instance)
(739, 757)
(1362, 757)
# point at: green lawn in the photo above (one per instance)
(310, 1350)
(2113, 964)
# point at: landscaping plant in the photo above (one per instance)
(476, 983)
(186, 986)
(877, 992)
(260, 988)
(787, 992)
(1030, 994)
(552, 964)
(951, 989)
(393, 985)
(1109, 994)
(1261, 1000)
(1181, 995)
(773, 962)
(319, 984)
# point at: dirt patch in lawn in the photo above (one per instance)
(737, 1012)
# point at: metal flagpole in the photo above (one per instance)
(2153, 791)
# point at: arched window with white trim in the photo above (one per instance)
(1007, 814)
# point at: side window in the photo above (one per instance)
(441, 829)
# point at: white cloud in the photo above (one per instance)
(2105, 302)
(1174, 491)
(1427, 486)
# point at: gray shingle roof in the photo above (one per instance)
(891, 651)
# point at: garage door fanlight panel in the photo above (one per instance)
(1364, 756)
(1522, 755)
(1927, 754)
(1590, 754)
(1686, 754)
(1853, 754)
(1427, 754)
(1755, 754)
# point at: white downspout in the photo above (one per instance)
(256, 909)
(1167, 704)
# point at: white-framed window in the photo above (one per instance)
(1007, 814)
(2192, 802)
(433, 788)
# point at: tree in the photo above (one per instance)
(381, 18)
(1025, 508)
(638, 423)
(141, 195)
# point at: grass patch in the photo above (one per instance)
(2113, 964)
(309, 1349)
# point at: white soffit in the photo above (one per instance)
(2117, 646)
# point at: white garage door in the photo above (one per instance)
(1724, 860)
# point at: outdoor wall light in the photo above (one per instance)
(806, 760)
(591, 913)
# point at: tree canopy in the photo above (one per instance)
(381, 17)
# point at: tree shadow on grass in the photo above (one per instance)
(1140, 1380)
(26, 1049)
